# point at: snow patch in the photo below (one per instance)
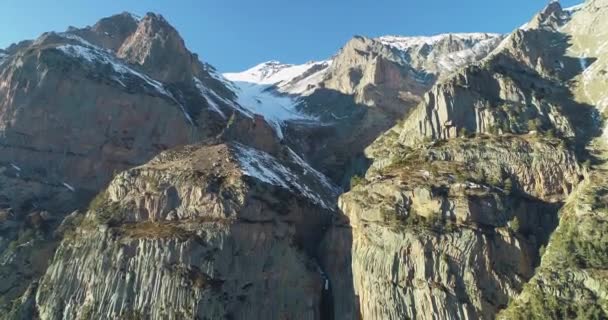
(74, 37)
(69, 187)
(135, 16)
(205, 92)
(276, 109)
(288, 78)
(213, 98)
(264, 167)
(93, 55)
(583, 62)
(219, 77)
(405, 43)
(574, 8)
(268, 89)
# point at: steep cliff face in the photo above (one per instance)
(571, 280)
(202, 232)
(525, 85)
(451, 229)
(110, 32)
(450, 219)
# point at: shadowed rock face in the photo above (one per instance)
(86, 126)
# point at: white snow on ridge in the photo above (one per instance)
(81, 40)
(213, 98)
(271, 72)
(574, 8)
(206, 93)
(69, 187)
(266, 168)
(275, 108)
(94, 54)
(272, 89)
(405, 43)
(476, 45)
(135, 16)
(288, 78)
(219, 77)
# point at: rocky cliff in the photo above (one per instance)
(216, 231)
(463, 195)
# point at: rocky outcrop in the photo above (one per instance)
(373, 72)
(30, 210)
(453, 230)
(455, 216)
(444, 53)
(521, 87)
(218, 231)
(157, 48)
(110, 32)
(570, 283)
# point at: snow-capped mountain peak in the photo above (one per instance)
(443, 53)
(405, 42)
(276, 73)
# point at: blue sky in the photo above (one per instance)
(236, 34)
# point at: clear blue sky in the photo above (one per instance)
(236, 34)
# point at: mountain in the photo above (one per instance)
(433, 177)
(336, 107)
